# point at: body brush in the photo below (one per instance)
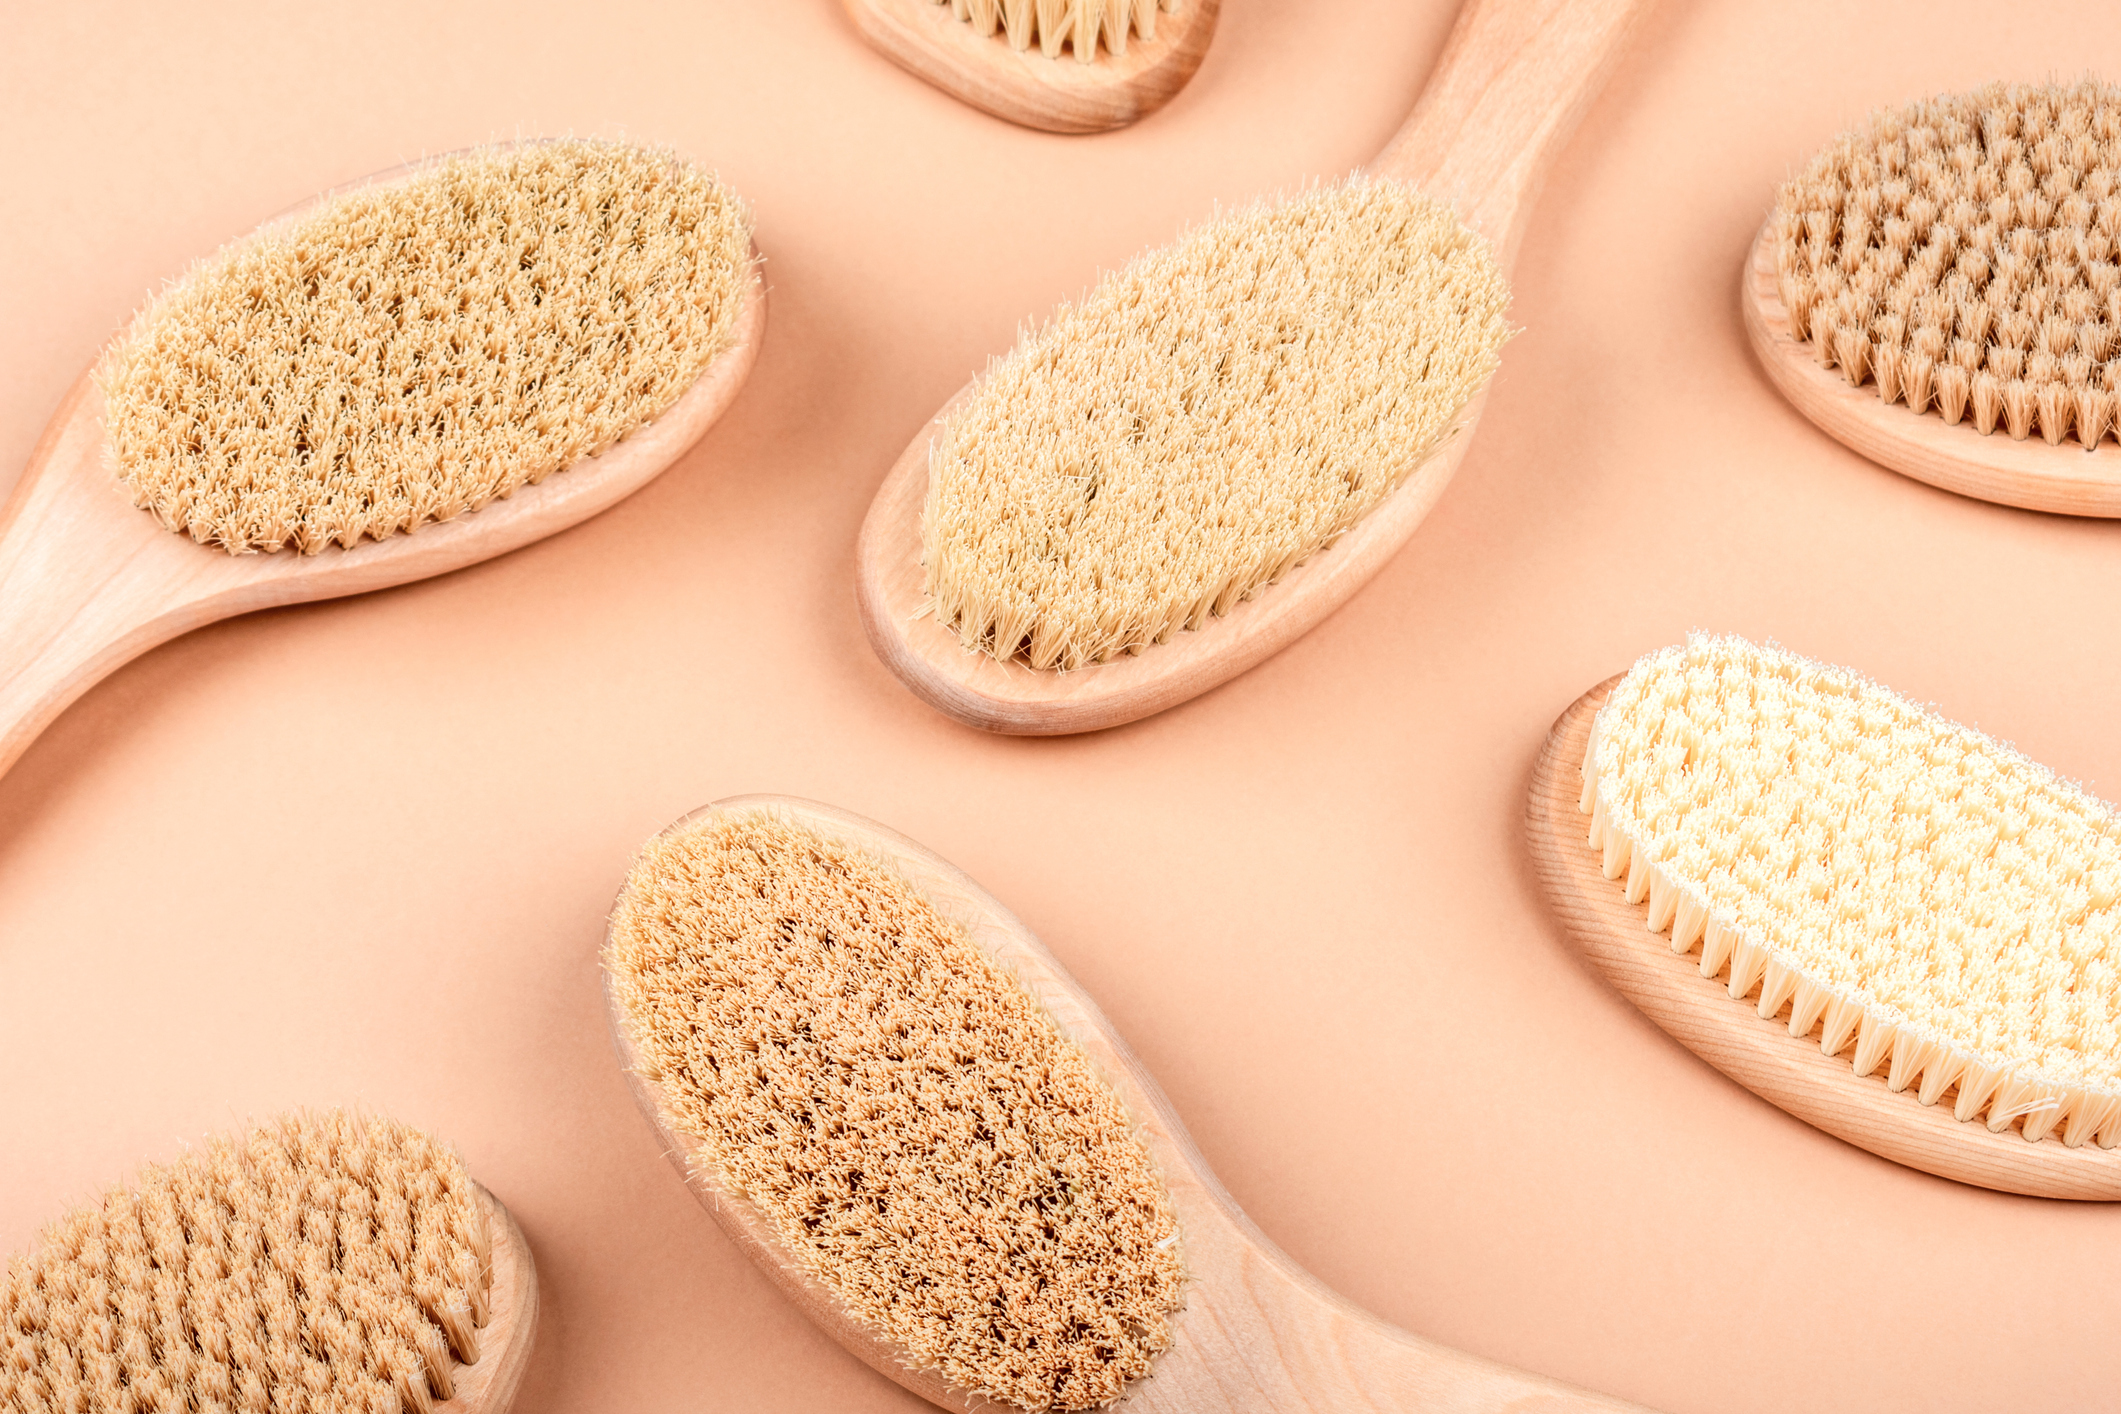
(319, 1263)
(1941, 291)
(1890, 925)
(1069, 66)
(406, 377)
(893, 1098)
(1222, 442)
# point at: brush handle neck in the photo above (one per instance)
(1261, 1336)
(1515, 77)
(81, 577)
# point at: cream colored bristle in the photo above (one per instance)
(1204, 421)
(910, 1122)
(1960, 255)
(1929, 901)
(1051, 24)
(410, 352)
(294, 1268)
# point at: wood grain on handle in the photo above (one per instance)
(1761, 1055)
(2064, 479)
(1059, 95)
(88, 582)
(1514, 80)
(1258, 1333)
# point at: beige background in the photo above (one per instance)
(360, 853)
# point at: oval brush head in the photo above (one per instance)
(1054, 25)
(1182, 473)
(407, 353)
(1942, 914)
(320, 1262)
(906, 1119)
(1950, 269)
(1206, 420)
(903, 1109)
(484, 350)
(1006, 56)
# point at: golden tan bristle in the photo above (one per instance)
(910, 1122)
(1204, 421)
(409, 352)
(320, 1263)
(1053, 23)
(1961, 254)
(1898, 882)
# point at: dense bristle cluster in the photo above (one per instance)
(1054, 23)
(1204, 421)
(321, 1263)
(910, 1122)
(1961, 254)
(409, 352)
(1892, 879)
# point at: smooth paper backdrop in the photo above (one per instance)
(361, 852)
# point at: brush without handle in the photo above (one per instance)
(1060, 95)
(1696, 1011)
(1258, 1332)
(89, 582)
(1512, 82)
(2030, 474)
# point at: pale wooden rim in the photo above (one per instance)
(1058, 95)
(2064, 479)
(1698, 1013)
(510, 1334)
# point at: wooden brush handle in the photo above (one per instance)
(86, 580)
(1262, 1336)
(1514, 78)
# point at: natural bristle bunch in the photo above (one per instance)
(320, 1263)
(908, 1120)
(1897, 882)
(1961, 254)
(411, 351)
(1204, 421)
(1054, 23)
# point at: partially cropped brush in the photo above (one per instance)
(1897, 884)
(321, 1263)
(1961, 255)
(408, 352)
(1054, 23)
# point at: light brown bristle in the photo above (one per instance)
(1901, 885)
(409, 352)
(1960, 254)
(913, 1126)
(1204, 421)
(320, 1263)
(1054, 23)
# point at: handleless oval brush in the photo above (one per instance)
(406, 377)
(1907, 934)
(1940, 290)
(1130, 57)
(1223, 441)
(893, 1098)
(319, 1263)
